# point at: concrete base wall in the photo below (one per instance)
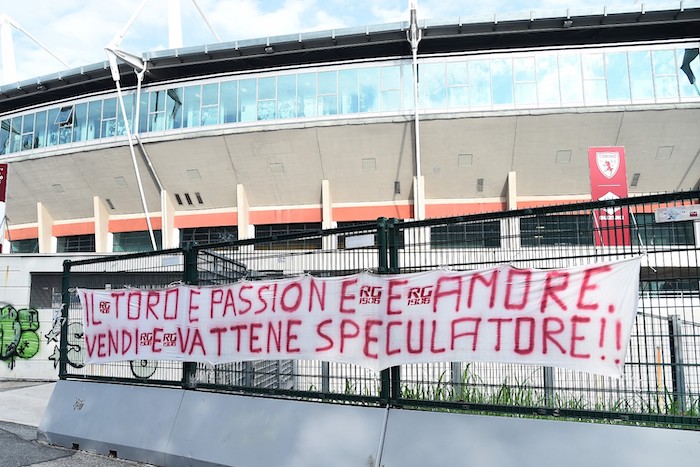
(175, 427)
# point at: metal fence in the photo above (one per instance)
(661, 383)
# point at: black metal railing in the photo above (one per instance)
(661, 384)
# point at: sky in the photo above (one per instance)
(78, 30)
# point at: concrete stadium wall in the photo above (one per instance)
(176, 427)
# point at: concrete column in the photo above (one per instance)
(243, 212)
(512, 201)
(47, 242)
(329, 242)
(102, 238)
(510, 228)
(419, 198)
(326, 205)
(170, 235)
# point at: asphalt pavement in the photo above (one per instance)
(22, 403)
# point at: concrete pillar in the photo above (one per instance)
(419, 198)
(170, 235)
(326, 206)
(512, 201)
(329, 242)
(102, 237)
(47, 242)
(243, 213)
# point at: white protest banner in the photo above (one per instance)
(578, 318)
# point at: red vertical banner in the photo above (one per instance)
(608, 173)
(3, 191)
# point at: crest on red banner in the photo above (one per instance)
(608, 163)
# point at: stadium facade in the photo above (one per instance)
(317, 130)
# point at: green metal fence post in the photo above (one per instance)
(65, 306)
(393, 239)
(384, 391)
(190, 276)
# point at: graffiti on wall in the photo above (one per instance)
(75, 351)
(18, 334)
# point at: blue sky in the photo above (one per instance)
(78, 30)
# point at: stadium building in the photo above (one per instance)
(298, 132)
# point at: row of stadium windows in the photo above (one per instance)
(575, 230)
(516, 80)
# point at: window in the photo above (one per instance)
(457, 85)
(109, 117)
(30, 245)
(205, 235)
(64, 116)
(484, 234)
(557, 230)
(267, 98)
(648, 232)
(76, 244)
(313, 242)
(136, 241)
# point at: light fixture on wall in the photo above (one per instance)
(567, 23)
(269, 49)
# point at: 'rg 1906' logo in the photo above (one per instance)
(420, 295)
(370, 294)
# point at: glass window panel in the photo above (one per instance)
(524, 69)
(210, 104)
(347, 90)
(407, 86)
(502, 80)
(391, 77)
(191, 107)
(306, 105)
(136, 241)
(5, 128)
(109, 108)
(433, 85)
(547, 80)
(40, 129)
(593, 66)
(80, 122)
(287, 96)
(143, 112)
(617, 76)
(479, 83)
(391, 101)
(641, 80)
(109, 117)
(665, 77)
(328, 104)
(526, 93)
(267, 88)
(484, 234)
(30, 245)
(76, 244)
(94, 118)
(571, 79)
(267, 110)
(247, 100)
(458, 96)
(457, 74)
(52, 135)
(327, 82)
(369, 89)
(15, 134)
(173, 108)
(210, 94)
(229, 100)
(27, 132)
(594, 90)
(157, 102)
(129, 106)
